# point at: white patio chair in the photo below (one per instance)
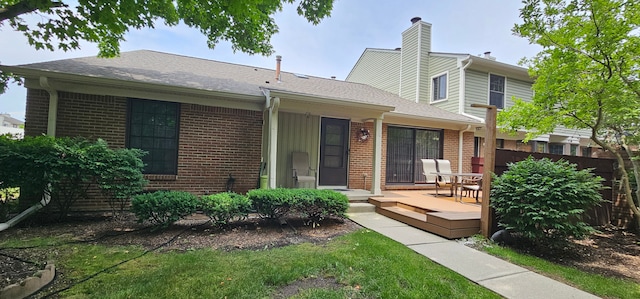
(428, 169)
(301, 170)
(443, 181)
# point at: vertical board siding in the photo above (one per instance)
(409, 64)
(424, 65)
(296, 133)
(378, 68)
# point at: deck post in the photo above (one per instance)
(486, 214)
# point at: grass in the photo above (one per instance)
(598, 285)
(364, 263)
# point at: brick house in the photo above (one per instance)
(203, 121)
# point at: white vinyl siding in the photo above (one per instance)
(378, 68)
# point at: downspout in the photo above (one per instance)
(460, 147)
(461, 93)
(52, 119)
(46, 198)
(51, 131)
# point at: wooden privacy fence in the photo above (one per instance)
(602, 167)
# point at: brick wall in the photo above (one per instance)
(361, 157)
(213, 142)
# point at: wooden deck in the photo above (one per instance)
(439, 215)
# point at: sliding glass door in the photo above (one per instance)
(405, 148)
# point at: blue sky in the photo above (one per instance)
(328, 49)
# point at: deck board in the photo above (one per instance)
(439, 215)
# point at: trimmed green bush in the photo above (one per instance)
(315, 205)
(225, 207)
(163, 208)
(272, 203)
(544, 200)
(66, 168)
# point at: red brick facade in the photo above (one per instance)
(361, 157)
(213, 142)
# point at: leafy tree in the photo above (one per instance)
(247, 24)
(586, 75)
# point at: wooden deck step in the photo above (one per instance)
(447, 224)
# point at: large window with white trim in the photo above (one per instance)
(496, 90)
(153, 127)
(439, 88)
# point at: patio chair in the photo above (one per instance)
(428, 169)
(472, 186)
(301, 170)
(443, 181)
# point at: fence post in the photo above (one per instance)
(486, 213)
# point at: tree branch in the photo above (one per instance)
(24, 7)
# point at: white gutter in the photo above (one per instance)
(46, 198)
(461, 88)
(52, 119)
(460, 145)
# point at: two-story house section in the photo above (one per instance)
(454, 81)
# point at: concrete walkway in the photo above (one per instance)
(502, 277)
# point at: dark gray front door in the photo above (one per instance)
(334, 151)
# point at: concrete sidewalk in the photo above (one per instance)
(502, 277)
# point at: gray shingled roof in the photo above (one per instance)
(182, 71)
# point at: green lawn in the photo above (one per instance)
(598, 285)
(364, 263)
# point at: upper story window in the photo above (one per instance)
(439, 88)
(574, 150)
(540, 146)
(556, 148)
(153, 127)
(496, 91)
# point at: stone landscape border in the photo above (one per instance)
(30, 285)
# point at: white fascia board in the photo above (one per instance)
(123, 88)
(457, 124)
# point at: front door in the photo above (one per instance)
(334, 151)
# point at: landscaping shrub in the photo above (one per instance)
(315, 205)
(225, 207)
(66, 168)
(163, 208)
(544, 200)
(119, 176)
(272, 203)
(8, 202)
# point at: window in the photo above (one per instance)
(540, 147)
(556, 148)
(405, 148)
(586, 151)
(153, 127)
(574, 149)
(439, 88)
(499, 143)
(496, 91)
